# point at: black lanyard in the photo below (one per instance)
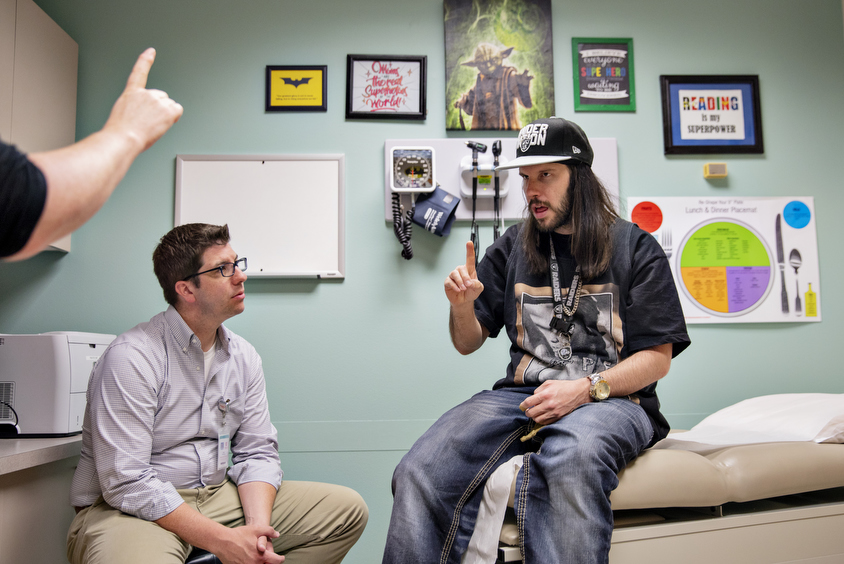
(558, 322)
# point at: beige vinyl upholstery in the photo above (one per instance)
(681, 478)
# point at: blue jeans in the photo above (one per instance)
(562, 498)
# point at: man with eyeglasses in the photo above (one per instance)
(168, 403)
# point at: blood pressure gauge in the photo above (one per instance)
(412, 169)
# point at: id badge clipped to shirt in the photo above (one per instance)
(223, 445)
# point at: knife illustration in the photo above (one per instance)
(781, 261)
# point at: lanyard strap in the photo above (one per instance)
(569, 306)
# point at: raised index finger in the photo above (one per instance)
(140, 72)
(470, 258)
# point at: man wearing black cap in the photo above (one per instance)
(590, 307)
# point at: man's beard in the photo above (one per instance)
(559, 215)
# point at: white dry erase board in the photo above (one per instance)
(285, 212)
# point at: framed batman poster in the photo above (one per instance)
(296, 88)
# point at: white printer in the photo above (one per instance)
(43, 380)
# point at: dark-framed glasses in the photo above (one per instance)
(226, 269)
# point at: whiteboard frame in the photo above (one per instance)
(183, 185)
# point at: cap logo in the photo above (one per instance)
(532, 134)
(575, 150)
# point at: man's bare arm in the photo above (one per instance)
(554, 399)
(232, 546)
(462, 288)
(81, 177)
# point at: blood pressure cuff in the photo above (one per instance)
(435, 211)
(23, 192)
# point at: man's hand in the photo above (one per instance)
(144, 115)
(81, 177)
(240, 545)
(249, 544)
(555, 399)
(462, 285)
(462, 288)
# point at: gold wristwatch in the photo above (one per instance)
(599, 389)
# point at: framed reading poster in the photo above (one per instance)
(386, 87)
(603, 75)
(711, 114)
(296, 88)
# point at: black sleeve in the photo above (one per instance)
(653, 312)
(492, 272)
(23, 192)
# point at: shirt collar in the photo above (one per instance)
(183, 334)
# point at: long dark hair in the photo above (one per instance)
(592, 215)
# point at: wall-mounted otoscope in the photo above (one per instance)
(476, 148)
(496, 231)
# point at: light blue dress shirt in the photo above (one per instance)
(152, 420)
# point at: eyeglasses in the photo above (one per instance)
(226, 269)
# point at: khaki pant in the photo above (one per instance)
(318, 523)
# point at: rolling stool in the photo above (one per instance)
(199, 556)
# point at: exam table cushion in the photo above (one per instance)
(759, 448)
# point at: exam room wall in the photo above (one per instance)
(357, 369)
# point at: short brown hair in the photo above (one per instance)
(179, 254)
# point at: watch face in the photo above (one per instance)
(413, 168)
(601, 390)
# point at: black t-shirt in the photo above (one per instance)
(23, 192)
(631, 307)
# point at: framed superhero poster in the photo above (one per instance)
(386, 87)
(603, 75)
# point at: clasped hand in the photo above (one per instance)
(251, 544)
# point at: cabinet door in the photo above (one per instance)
(7, 65)
(46, 61)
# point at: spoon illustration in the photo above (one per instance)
(795, 261)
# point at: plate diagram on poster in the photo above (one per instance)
(738, 259)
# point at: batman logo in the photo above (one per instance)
(295, 82)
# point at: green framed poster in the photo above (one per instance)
(604, 78)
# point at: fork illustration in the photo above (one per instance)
(666, 242)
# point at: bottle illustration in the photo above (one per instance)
(811, 300)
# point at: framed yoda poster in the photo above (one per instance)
(499, 63)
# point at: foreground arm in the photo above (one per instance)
(82, 176)
(556, 398)
(232, 546)
(462, 288)
(257, 499)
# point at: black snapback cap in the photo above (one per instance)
(551, 140)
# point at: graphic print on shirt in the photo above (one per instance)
(549, 354)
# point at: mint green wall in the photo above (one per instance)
(357, 369)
